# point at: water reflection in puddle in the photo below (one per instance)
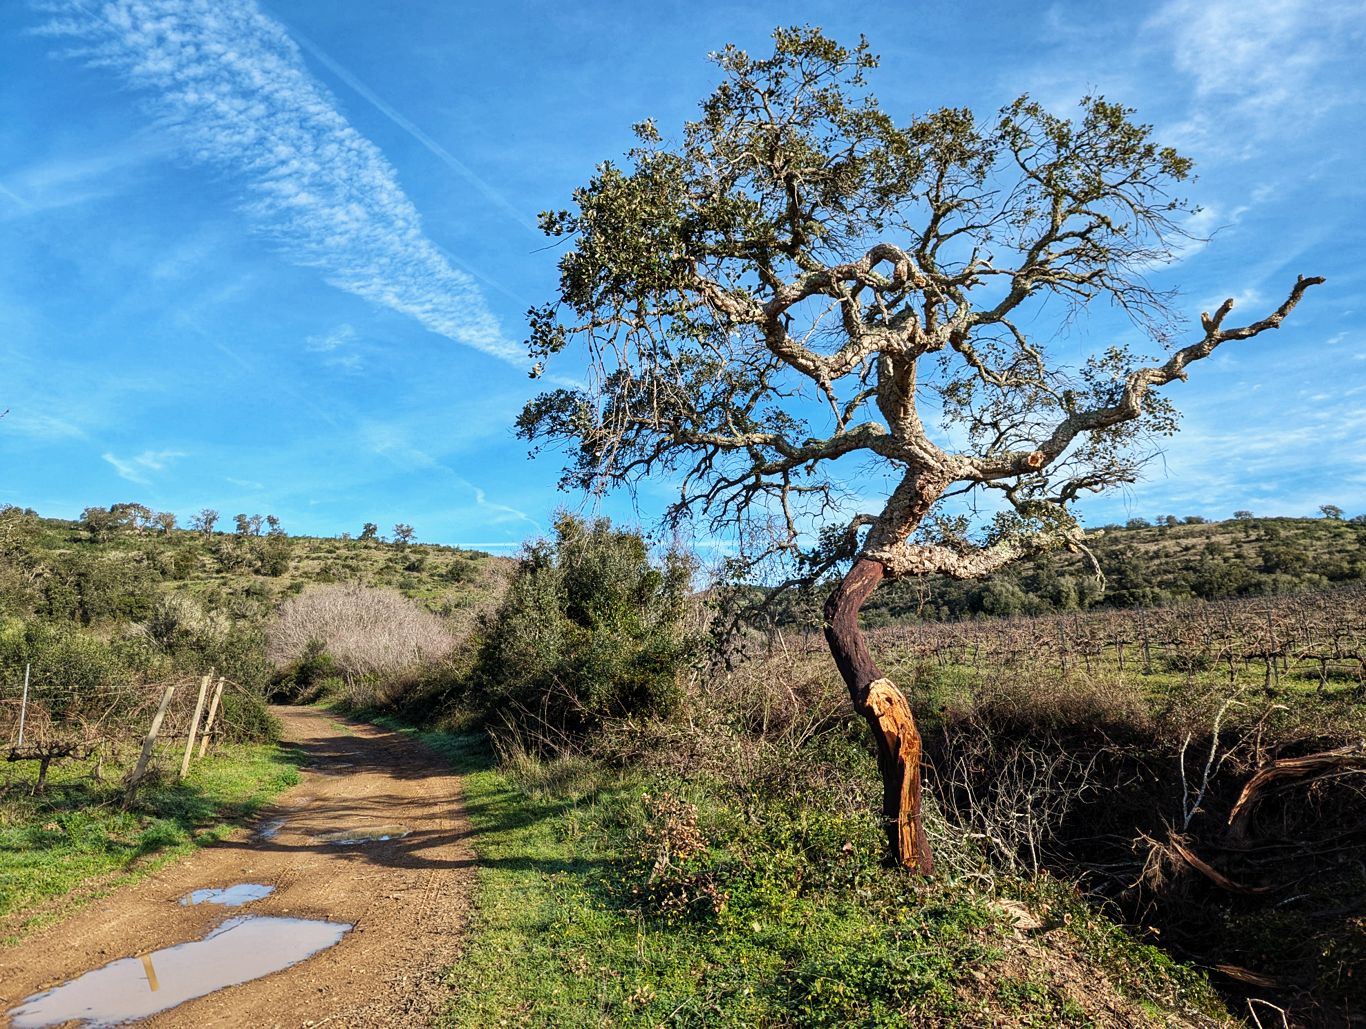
(239, 950)
(269, 830)
(378, 834)
(229, 896)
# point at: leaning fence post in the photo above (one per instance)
(194, 725)
(23, 707)
(140, 769)
(208, 721)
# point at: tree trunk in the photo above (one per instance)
(888, 715)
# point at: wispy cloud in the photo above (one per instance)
(1264, 61)
(54, 182)
(391, 442)
(137, 469)
(430, 145)
(339, 347)
(232, 87)
(42, 426)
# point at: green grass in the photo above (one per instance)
(77, 841)
(772, 913)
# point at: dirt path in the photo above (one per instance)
(407, 898)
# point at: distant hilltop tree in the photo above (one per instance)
(204, 521)
(165, 521)
(369, 531)
(1242, 516)
(795, 285)
(100, 522)
(403, 534)
(1331, 511)
(133, 516)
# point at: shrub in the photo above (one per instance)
(302, 681)
(245, 717)
(589, 629)
(367, 632)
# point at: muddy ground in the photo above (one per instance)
(407, 898)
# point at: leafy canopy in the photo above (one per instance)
(800, 304)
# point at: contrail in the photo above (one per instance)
(233, 89)
(436, 149)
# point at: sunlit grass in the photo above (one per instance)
(77, 840)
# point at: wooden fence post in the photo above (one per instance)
(194, 725)
(208, 721)
(23, 706)
(140, 769)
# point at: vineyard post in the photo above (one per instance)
(194, 725)
(213, 710)
(1147, 653)
(1273, 647)
(23, 706)
(140, 769)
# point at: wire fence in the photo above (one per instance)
(1320, 637)
(51, 722)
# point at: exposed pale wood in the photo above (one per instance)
(194, 726)
(888, 715)
(208, 721)
(1213, 874)
(1306, 766)
(140, 769)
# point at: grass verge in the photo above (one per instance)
(77, 842)
(613, 897)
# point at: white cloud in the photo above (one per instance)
(52, 183)
(340, 347)
(233, 89)
(1259, 66)
(137, 469)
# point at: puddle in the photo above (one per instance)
(239, 950)
(378, 834)
(229, 896)
(269, 830)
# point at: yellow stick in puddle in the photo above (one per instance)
(151, 972)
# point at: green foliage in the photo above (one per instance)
(302, 681)
(1148, 566)
(61, 657)
(597, 904)
(50, 844)
(589, 629)
(697, 271)
(90, 587)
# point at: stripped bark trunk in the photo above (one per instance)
(888, 714)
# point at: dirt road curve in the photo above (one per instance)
(407, 898)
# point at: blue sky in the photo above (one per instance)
(275, 257)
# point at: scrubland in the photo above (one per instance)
(1144, 816)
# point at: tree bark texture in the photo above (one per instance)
(888, 714)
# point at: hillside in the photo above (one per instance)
(1150, 566)
(113, 598)
(657, 831)
(93, 570)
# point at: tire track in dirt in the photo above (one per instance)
(407, 898)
